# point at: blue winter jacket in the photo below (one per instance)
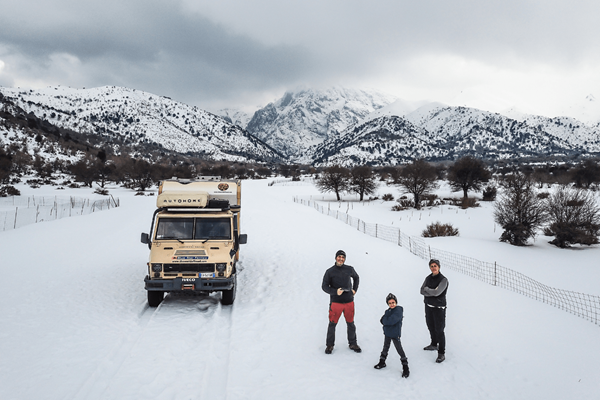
(392, 322)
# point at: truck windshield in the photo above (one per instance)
(213, 228)
(175, 228)
(194, 228)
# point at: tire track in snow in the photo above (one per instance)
(216, 372)
(100, 379)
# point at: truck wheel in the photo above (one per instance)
(229, 295)
(155, 298)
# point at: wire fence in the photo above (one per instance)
(583, 305)
(30, 210)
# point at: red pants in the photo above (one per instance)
(337, 309)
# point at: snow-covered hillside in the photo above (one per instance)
(141, 118)
(322, 127)
(308, 117)
(382, 141)
(76, 325)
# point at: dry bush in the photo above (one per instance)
(438, 229)
(388, 197)
(469, 202)
(489, 193)
(403, 204)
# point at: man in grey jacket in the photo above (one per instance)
(434, 292)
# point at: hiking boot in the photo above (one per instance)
(440, 358)
(431, 347)
(405, 371)
(328, 349)
(380, 365)
(355, 347)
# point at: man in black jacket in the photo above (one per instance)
(434, 291)
(341, 283)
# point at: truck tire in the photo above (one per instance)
(228, 296)
(155, 298)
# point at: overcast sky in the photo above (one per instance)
(539, 55)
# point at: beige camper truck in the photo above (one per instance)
(194, 238)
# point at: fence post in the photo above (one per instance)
(16, 210)
(494, 273)
(429, 252)
(399, 238)
(376, 230)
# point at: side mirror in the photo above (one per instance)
(145, 238)
(243, 239)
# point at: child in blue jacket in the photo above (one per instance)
(392, 327)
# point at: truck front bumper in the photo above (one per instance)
(189, 284)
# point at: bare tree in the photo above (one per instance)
(574, 217)
(6, 166)
(419, 179)
(586, 174)
(363, 181)
(519, 211)
(468, 173)
(334, 179)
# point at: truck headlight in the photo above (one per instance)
(221, 267)
(157, 267)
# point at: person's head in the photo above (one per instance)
(391, 300)
(434, 266)
(340, 258)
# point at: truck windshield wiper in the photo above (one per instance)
(171, 238)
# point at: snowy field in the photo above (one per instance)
(75, 324)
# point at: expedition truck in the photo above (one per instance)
(194, 238)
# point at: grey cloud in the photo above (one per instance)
(151, 45)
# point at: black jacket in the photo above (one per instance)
(344, 277)
(434, 289)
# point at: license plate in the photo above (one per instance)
(207, 275)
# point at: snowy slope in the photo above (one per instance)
(141, 118)
(76, 326)
(387, 140)
(235, 117)
(469, 130)
(308, 117)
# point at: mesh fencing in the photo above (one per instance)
(30, 210)
(583, 305)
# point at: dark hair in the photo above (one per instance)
(434, 261)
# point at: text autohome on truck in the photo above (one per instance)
(194, 238)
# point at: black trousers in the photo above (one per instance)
(331, 333)
(386, 348)
(435, 318)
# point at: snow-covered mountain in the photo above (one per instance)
(388, 140)
(439, 132)
(323, 127)
(308, 117)
(235, 117)
(140, 118)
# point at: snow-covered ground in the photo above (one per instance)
(75, 324)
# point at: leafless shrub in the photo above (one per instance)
(574, 217)
(438, 229)
(388, 197)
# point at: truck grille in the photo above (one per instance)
(189, 267)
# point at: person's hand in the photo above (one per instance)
(340, 291)
(353, 291)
